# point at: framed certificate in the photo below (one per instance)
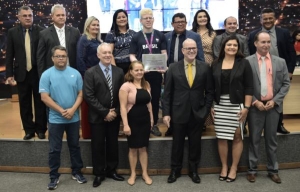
(154, 62)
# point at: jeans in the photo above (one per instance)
(56, 132)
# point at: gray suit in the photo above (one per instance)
(267, 120)
(218, 40)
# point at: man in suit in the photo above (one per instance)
(101, 89)
(175, 39)
(281, 46)
(57, 34)
(61, 91)
(188, 97)
(21, 67)
(271, 83)
(231, 25)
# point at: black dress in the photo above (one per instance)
(139, 120)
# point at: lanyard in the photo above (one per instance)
(151, 40)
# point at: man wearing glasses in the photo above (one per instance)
(61, 91)
(175, 39)
(21, 70)
(149, 41)
(187, 107)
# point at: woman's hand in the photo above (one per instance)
(127, 130)
(212, 112)
(243, 115)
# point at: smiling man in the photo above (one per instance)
(187, 108)
(231, 25)
(281, 45)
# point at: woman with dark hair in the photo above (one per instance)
(233, 96)
(202, 26)
(87, 57)
(296, 39)
(119, 38)
(137, 117)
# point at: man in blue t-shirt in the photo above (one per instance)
(61, 90)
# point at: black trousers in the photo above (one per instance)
(193, 130)
(105, 151)
(155, 81)
(27, 88)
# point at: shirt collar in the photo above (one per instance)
(57, 29)
(103, 67)
(186, 63)
(175, 34)
(24, 29)
(259, 56)
(272, 30)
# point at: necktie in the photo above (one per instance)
(28, 51)
(61, 37)
(109, 82)
(263, 77)
(176, 48)
(190, 75)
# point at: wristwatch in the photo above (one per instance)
(246, 107)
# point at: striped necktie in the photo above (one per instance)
(28, 51)
(61, 37)
(109, 82)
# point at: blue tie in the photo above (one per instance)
(109, 82)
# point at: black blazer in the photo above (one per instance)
(97, 95)
(285, 46)
(15, 52)
(180, 100)
(49, 39)
(241, 80)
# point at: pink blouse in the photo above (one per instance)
(131, 89)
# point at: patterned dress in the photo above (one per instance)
(207, 45)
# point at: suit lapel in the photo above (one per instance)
(113, 79)
(54, 35)
(102, 76)
(67, 36)
(181, 69)
(219, 72)
(273, 62)
(197, 74)
(255, 63)
(20, 34)
(234, 69)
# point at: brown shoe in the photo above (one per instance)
(275, 178)
(251, 177)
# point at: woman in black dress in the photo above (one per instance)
(136, 113)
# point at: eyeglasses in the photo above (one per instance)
(60, 56)
(179, 22)
(190, 48)
(148, 18)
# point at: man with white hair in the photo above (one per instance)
(57, 34)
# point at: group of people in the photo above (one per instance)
(209, 80)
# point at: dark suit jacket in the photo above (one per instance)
(180, 100)
(191, 35)
(241, 82)
(49, 39)
(285, 46)
(97, 95)
(16, 50)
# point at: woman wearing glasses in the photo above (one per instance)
(233, 95)
(86, 58)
